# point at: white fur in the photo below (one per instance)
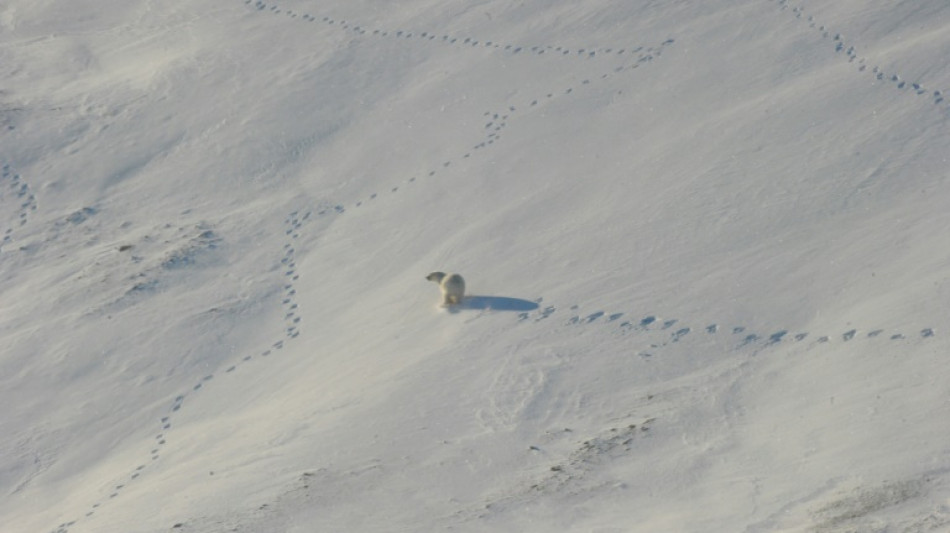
(452, 286)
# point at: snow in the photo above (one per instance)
(704, 242)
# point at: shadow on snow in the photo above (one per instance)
(494, 303)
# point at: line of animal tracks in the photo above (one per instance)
(863, 64)
(16, 193)
(654, 334)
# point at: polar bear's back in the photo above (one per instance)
(454, 284)
(451, 285)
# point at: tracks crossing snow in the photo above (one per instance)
(517, 382)
(164, 435)
(842, 45)
(614, 61)
(17, 196)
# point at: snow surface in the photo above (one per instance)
(706, 245)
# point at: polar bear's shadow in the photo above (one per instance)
(493, 303)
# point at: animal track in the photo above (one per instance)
(651, 323)
(550, 50)
(17, 192)
(777, 337)
(293, 224)
(864, 65)
(680, 333)
(494, 123)
(497, 121)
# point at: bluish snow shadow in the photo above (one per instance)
(496, 303)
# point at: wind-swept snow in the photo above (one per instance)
(704, 245)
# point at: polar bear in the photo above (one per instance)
(452, 286)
